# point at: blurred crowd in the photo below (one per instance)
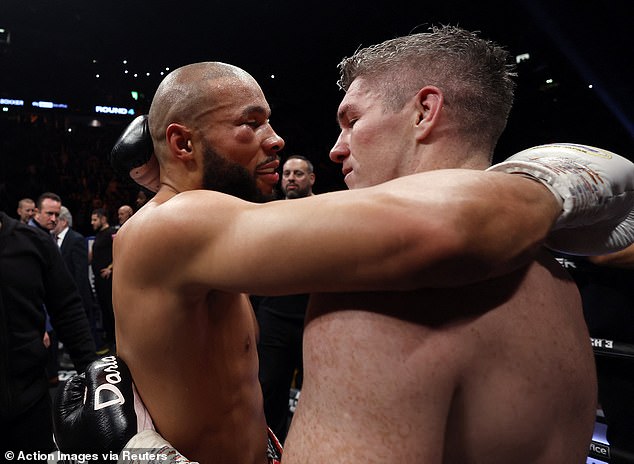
(50, 153)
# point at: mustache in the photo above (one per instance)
(268, 160)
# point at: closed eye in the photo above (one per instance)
(255, 116)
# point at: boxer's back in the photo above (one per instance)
(191, 350)
(496, 373)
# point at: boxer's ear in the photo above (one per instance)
(179, 139)
(429, 102)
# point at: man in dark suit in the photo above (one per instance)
(34, 276)
(74, 250)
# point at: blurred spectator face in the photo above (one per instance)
(61, 225)
(97, 222)
(141, 199)
(49, 213)
(26, 210)
(297, 181)
(124, 213)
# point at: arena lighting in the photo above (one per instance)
(607, 93)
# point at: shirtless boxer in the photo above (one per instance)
(184, 328)
(498, 372)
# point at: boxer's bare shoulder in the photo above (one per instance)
(447, 372)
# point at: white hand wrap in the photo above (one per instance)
(595, 188)
(148, 447)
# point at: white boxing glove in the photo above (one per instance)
(595, 188)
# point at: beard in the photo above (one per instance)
(297, 193)
(223, 175)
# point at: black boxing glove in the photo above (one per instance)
(133, 155)
(99, 411)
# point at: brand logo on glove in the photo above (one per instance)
(113, 377)
(585, 149)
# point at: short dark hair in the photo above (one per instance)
(44, 196)
(304, 159)
(99, 212)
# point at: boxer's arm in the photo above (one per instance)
(440, 228)
(433, 229)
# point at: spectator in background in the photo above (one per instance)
(281, 321)
(298, 177)
(26, 210)
(141, 199)
(100, 258)
(124, 213)
(74, 249)
(47, 211)
(33, 274)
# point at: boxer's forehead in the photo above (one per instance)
(234, 97)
